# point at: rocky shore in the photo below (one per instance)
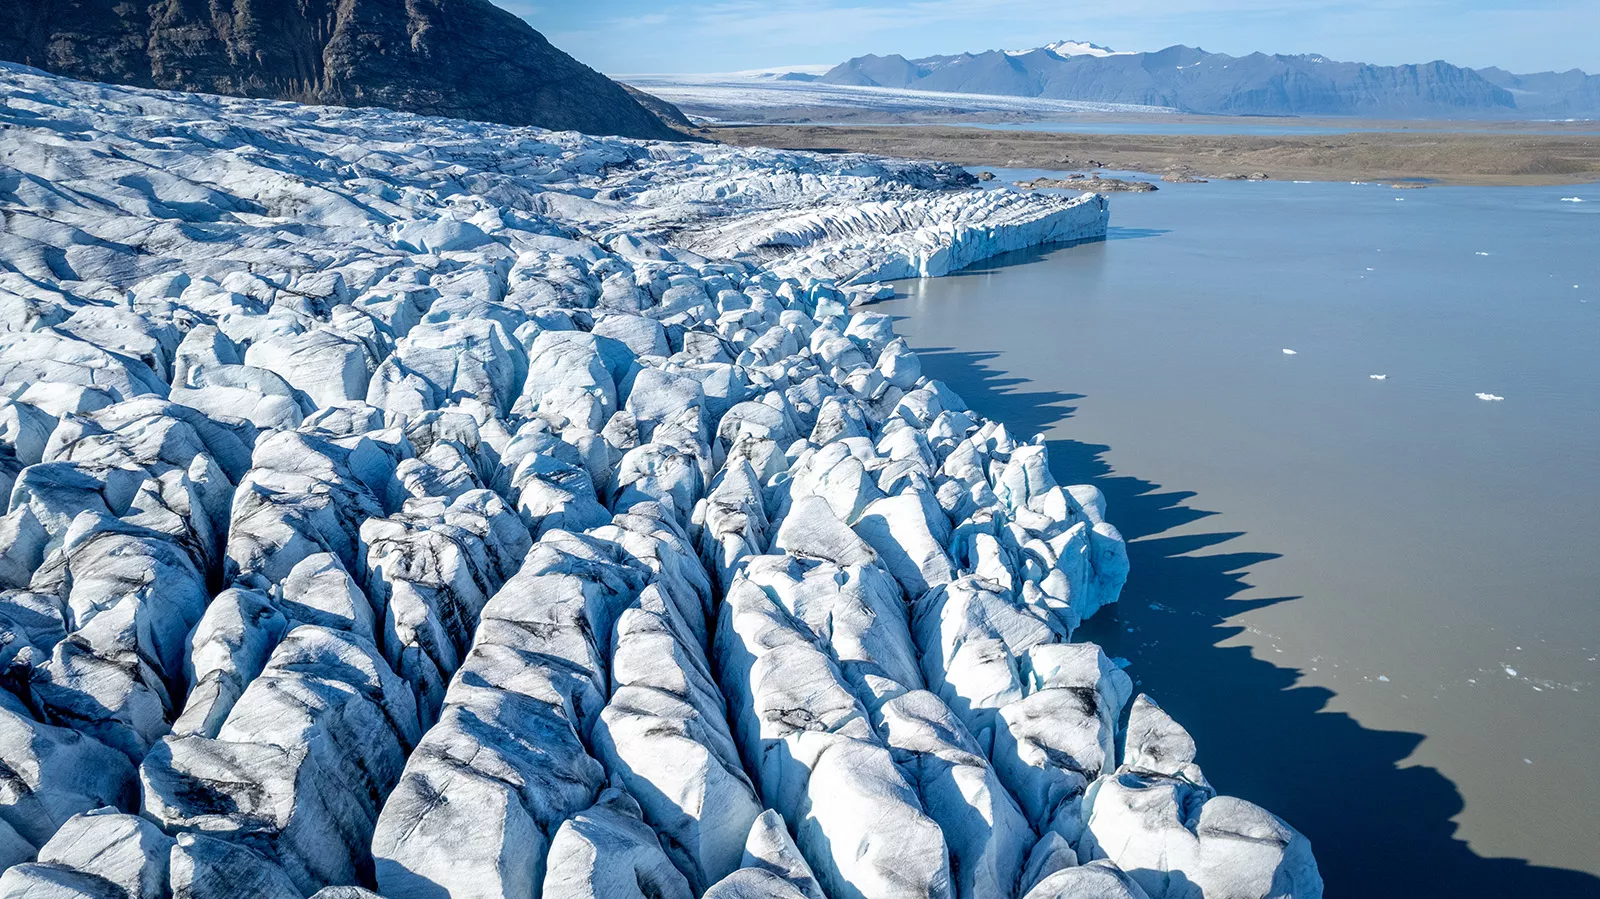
(421, 508)
(1096, 183)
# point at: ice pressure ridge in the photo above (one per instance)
(451, 510)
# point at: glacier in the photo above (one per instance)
(730, 95)
(413, 508)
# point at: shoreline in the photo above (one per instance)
(1512, 159)
(1213, 284)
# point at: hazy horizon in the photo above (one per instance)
(674, 36)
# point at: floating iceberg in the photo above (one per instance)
(452, 510)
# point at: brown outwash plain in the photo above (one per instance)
(1446, 157)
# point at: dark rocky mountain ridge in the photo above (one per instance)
(465, 59)
(1192, 80)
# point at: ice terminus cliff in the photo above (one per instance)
(451, 510)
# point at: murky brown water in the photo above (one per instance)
(1376, 603)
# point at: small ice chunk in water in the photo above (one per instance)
(1511, 671)
(1384, 678)
(1289, 352)
(1482, 253)
(1572, 199)
(1489, 397)
(1379, 377)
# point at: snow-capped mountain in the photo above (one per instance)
(1074, 48)
(1084, 48)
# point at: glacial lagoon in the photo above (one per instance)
(1375, 601)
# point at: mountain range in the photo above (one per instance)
(464, 59)
(1190, 79)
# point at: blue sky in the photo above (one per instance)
(635, 36)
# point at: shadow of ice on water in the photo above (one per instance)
(1378, 827)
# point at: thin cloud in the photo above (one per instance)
(644, 21)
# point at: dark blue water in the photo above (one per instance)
(1376, 603)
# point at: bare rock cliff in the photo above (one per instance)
(463, 59)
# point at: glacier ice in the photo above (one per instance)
(409, 508)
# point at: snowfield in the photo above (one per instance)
(449, 510)
(726, 94)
